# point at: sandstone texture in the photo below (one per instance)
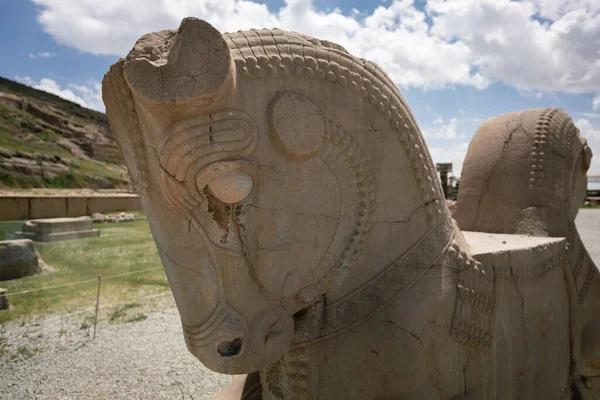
(18, 259)
(51, 142)
(306, 238)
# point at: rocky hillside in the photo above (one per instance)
(46, 141)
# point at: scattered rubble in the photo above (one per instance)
(113, 218)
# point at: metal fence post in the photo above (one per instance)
(97, 304)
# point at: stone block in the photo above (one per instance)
(18, 259)
(55, 229)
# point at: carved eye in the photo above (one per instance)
(229, 181)
(231, 188)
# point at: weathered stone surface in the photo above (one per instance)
(55, 229)
(18, 259)
(306, 238)
(31, 164)
(525, 173)
(113, 218)
(4, 303)
(39, 205)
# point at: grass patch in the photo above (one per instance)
(8, 229)
(87, 322)
(121, 248)
(26, 352)
(120, 312)
(65, 181)
(20, 131)
(137, 318)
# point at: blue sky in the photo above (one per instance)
(456, 63)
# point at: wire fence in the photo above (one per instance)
(55, 300)
(80, 282)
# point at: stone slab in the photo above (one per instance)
(489, 243)
(516, 255)
(55, 229)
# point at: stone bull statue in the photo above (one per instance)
(307, 242)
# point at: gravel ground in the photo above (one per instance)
(56, 359)
(136, 360)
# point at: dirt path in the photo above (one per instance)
(138, 360)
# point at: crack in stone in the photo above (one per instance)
(399, 221)
(432, 361)
(488, 182)
(523, 369)
(251, 268)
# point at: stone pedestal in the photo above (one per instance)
(17, 259)
(55, 229)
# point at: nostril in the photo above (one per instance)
(230, 348)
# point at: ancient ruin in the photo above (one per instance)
(306, 238)
(55, 229)
(112, 218)
(18, 259)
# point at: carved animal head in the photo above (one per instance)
(525, 172)
(267, 163)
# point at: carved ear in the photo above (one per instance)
(122, 117)
(192, 65)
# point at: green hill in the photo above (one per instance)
(46, 141)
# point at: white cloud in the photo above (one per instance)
(511, 45)
(470, 42)
(41, 54)
(441, 130)
(535, 46)
(25, 80)
(591, 115)
(454, 153)
(396, 36)
(553, 9)
(87, 96)
(596, 103)
(592, 134)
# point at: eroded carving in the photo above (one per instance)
(303, 229)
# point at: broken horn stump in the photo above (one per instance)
(190, 68)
